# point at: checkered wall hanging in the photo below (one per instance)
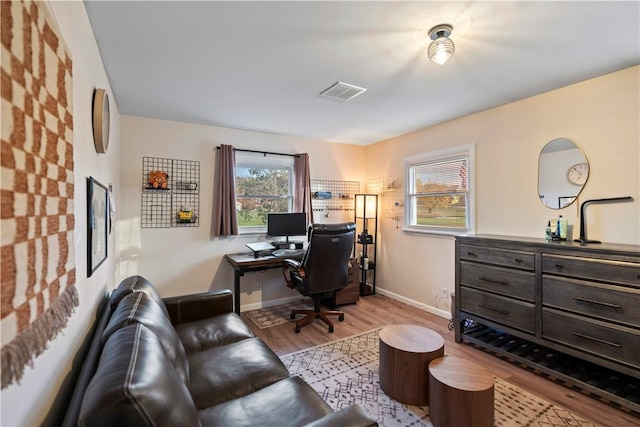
(37, 268)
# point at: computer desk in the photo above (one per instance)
(245, 263)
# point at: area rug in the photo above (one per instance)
(345, 372)
(277, 315)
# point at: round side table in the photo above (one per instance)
(405, 353)
(461, 393)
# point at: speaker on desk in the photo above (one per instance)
(299, 245)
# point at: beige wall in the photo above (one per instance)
(28, 403)
(183, 260)
(600, 115)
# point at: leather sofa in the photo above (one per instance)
(189, 361)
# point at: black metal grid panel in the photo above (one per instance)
(186, 191)
(342, 195)
(187, 201)
(186, 176)
(160, 207)
(156, 210)
(156, 164)
(390, 190)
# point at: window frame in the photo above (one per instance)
(413, 161)
(260, 161)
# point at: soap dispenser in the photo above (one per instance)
(558, 227)
(547, 231)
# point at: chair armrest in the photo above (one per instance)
(289, 265)
(187, 308)
(352, 416)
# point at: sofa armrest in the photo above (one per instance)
(351, 416)
(188, 308)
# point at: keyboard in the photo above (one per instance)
(288, 253)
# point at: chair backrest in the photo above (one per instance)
(326, 261)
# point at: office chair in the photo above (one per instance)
(323, 270)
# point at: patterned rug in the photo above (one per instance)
(37, 269)
(277, 315)
(345, 372)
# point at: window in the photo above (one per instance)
(263, 185)
(439, 191)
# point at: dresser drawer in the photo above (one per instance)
(515, 259)
(509, 312)
(508, 282)
(607, 302)
(627, 273)
(616, 343)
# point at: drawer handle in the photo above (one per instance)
(472, 254)
(606, 304)
(494, 309)
(558, 267)
(518, 260)
(499, 282)
(612, 344)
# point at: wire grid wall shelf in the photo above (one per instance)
(390, 190)
(330, 195)
(174, 201)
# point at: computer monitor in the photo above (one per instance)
(286, 224)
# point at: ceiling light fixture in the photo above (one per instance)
(441, 48)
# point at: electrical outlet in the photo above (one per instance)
(444, 292)
(258, 285)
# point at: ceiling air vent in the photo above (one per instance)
(342, 91)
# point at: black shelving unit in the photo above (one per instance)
(366, 220)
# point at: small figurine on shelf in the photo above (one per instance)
(158, 179)
(186, 215)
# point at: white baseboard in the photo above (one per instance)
(422, 306)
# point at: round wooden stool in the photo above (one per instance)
(405, 353)
(460, 393)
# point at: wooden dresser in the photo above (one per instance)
(566, 310)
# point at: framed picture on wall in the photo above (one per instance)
(97, 220)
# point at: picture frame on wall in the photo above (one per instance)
(97, 224)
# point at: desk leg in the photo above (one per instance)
(236, 290)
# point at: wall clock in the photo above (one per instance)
(101, 120)
(578, 173)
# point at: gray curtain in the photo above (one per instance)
(225, 217)
(302, 186)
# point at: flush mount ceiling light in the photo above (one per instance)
(441, 48)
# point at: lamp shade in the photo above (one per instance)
(366, 205)
(441, 50)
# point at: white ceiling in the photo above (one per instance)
(261, 65)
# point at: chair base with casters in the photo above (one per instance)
(316, 313)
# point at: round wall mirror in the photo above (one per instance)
(563, 171)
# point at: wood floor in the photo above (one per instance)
(377, 311)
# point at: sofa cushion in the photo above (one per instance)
(136, 385)
(136, 284)
(213, 332)
(139, 307)
(288, 402)
(234, 370)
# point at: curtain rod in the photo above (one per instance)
(263, 152)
